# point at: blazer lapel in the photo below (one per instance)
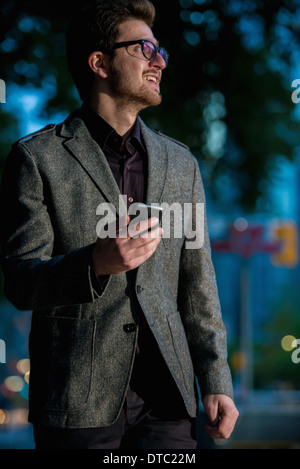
(157, 173)
(88, 154)
(92, 159)
(157, 165)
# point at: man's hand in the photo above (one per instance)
(112, 256)
(222, 415)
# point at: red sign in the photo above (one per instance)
(246, 242)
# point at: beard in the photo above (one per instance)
(128, 95)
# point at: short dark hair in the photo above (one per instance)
(97, 28)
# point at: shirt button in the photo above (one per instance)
(129, 327)
(139, 289)
(130, 199)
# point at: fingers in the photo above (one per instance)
(142, 228)
(125, 228)
(222, 414)
(121, 253)
(135, 251)
(121, 226)
(140, 254)
(223, 429)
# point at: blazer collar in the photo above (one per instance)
(157, 164)
(92, 159)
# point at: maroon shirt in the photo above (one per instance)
(126, 158)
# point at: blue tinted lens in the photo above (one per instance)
(150, 51)
(164, 54)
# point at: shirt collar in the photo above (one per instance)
(102, 132)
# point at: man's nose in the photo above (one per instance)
(159, 62)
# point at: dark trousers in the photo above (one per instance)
(136, 428)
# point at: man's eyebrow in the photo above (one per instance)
(155, 41)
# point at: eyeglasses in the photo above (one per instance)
(148, 49)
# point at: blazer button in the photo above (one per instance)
(139, 289)
(129, 327)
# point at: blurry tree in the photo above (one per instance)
(227, 91)
(274, 367)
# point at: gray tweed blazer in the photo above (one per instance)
(81, 354)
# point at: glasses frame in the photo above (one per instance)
(142, 42)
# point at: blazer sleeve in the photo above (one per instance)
(33, 278)
(199, 305)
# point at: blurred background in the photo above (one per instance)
(231, 94)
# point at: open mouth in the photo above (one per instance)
(153, 79)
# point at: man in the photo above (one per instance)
(121, 324)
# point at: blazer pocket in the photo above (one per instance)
(181, 348)
(67, 353)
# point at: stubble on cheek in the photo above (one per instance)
(127, 93)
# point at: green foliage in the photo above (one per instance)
(273, 365)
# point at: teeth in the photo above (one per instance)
(151, 79)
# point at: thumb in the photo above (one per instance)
(122, 224)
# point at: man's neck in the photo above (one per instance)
(119, 118)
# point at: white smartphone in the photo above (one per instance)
(139, 212)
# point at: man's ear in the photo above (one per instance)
(98, 63)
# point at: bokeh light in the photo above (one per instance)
(14, 383)
(238, 360)
(2, 416)
(26, 377)
(23, 366)
(286, 342)
(241, 224)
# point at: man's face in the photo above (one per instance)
(135, 80)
